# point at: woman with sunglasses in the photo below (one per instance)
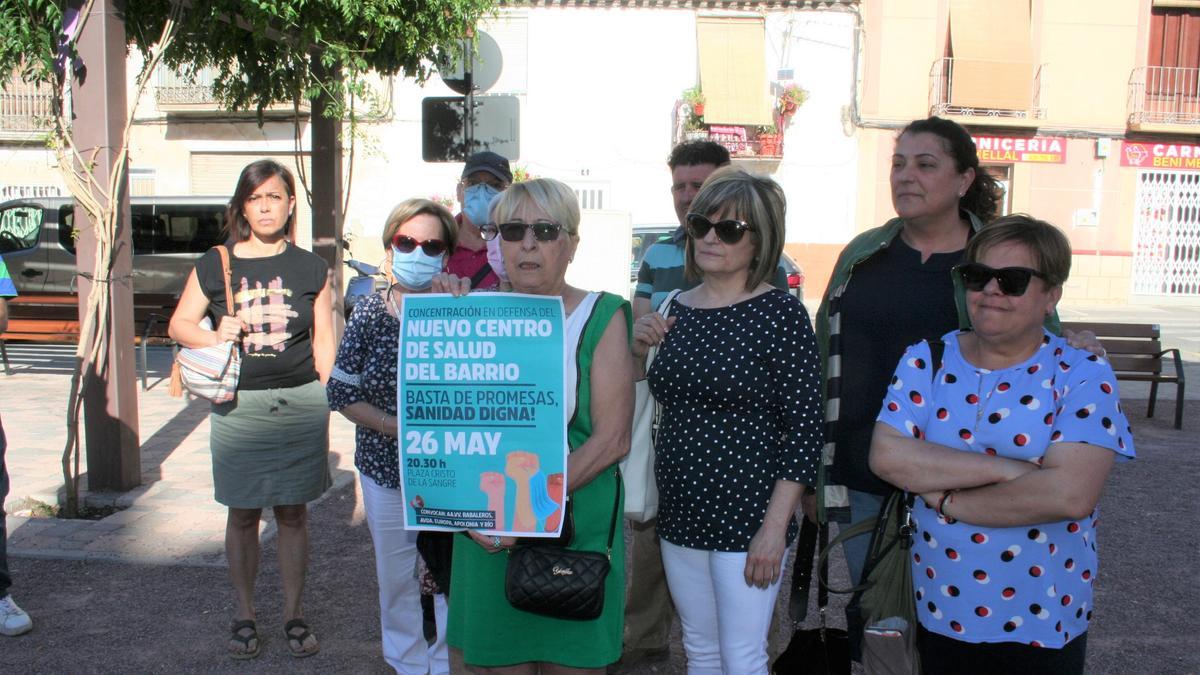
(1008, 442)
(270, 445)
(892, 286)
(740, 437)
(537, 222)
(419, 236)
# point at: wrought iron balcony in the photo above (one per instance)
(177, 92)
(745, 142)
(26, 110)
(992, 92)
(1162, 98)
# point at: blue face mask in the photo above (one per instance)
(415, 270)
(476, 200)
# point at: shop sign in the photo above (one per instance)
(1036, 150)
(1160, 155)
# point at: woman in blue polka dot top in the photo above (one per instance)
(1008, 444)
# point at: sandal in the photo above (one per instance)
(296, 640)
(236, 637)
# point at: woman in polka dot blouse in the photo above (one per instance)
(1008, 445)
(737, 377)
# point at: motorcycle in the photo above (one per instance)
(366, 280)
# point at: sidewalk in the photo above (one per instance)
(170, 519)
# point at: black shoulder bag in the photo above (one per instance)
(560, 582)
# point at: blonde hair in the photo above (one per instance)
(760, 202)
(411, 208)
(552, 196)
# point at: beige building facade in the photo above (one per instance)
(1086, 110)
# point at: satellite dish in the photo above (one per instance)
(483, 62)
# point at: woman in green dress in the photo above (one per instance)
(538, 225)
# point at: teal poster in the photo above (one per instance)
(483, 423)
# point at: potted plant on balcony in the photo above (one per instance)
(792, 97)
(694, 128)
(768, 141)
(695, 99)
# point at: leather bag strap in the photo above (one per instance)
(228, 274)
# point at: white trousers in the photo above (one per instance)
(725, 621)
(404, 645)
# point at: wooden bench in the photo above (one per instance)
(1136, 354)
(54, 318)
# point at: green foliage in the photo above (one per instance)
(264, 51)
(693, 96)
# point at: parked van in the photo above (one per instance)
(37, 241)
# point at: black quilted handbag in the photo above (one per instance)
(558, 582)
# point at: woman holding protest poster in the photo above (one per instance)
(736, 375)
(418, 236)
(537, 222)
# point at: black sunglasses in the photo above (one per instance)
(432, 247)
(728, 231)
(1012, 280)
(542, 231)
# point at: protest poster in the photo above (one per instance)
(482, 418)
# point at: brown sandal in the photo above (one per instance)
(296, 640)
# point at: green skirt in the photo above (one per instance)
(270, 447)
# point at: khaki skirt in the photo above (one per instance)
(270, 447)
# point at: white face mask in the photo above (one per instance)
(496, 258)
(415, 270)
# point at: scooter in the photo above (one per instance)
(365, 281)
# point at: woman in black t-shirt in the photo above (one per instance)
(270, 445)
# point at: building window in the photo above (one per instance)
(733, 70)
(990, 68)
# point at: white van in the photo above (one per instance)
(37, 241)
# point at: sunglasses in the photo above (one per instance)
(728, 231)
(1012, 280)
(542, 231)
(431, 247)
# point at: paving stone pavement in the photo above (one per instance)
(171, 518)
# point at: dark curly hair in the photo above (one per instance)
(983, 196)
(691, 153)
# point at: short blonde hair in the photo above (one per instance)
(411, 208)
(554, 197)
(760, 202)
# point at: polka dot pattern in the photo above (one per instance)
(1033, 583)
(741, 409)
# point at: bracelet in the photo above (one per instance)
(947, 497)
(382, 420)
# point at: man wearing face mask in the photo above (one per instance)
(485, 175)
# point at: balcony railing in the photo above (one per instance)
(25, 108)
(178, 92)
(1164, 95)
(742, 141)
(999, 90)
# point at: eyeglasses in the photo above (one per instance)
(542, 231)
(431, 247)
(728, 231)
(490, 180)
(1012, 280)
